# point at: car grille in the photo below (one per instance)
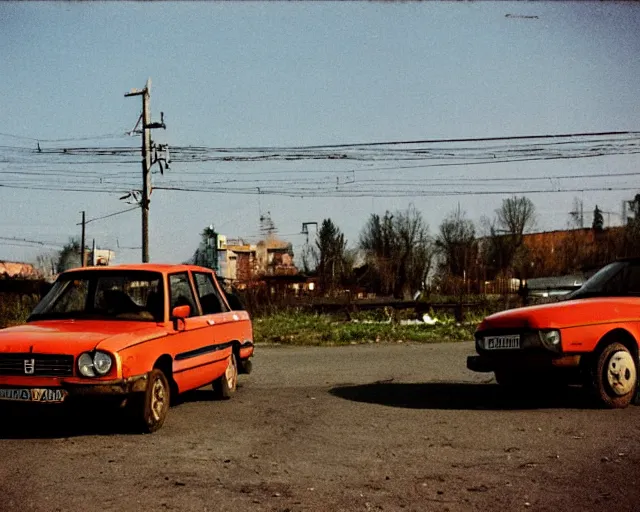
(43, 365)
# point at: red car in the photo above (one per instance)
(138, 333)
(590, 337)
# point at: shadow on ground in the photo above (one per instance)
(462, 396)
(50, 421)
(58, 421)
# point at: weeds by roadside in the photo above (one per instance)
(14, 309)
(298, 328)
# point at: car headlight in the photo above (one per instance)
(551, 339)
(92, 365)
(102, 363)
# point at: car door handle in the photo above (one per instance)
(211, 322)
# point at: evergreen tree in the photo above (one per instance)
(206, 255)
(598, 220)
(331, 246)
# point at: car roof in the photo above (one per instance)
(163, 268)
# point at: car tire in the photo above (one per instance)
(149, 409)
(225, 385)
(614, 377)
(246, 366)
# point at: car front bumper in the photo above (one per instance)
(117, 387)
(42, 390)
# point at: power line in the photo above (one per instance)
(110, 215)
(291, 152)
(295, 185)
(571, 135)
(475, 139)
(65, 189)
(71, 139)
(125, 174)
(397, 193)
(26, 240)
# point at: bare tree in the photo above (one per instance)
(515, 217)
(378, 242)
(399, 251)
(456, 243)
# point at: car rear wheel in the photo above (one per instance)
(149, 409)
(615, 376)
(245, 366)
(226, 384)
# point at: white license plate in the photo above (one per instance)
(33, 394)
(502, 342)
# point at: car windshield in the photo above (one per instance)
(104, 294)
(610, 281)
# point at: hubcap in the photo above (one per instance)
(158, 399)
(621, 373)
(230, 374)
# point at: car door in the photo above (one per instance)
(197, 358)
(225, 323)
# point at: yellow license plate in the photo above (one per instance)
(33, 394)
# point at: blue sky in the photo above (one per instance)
(288, 74)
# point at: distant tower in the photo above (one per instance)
(267, 227)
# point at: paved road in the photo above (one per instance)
(372, 427)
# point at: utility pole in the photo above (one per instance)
(305, 229)
(578, 213)
(82, 258)
(147, 125)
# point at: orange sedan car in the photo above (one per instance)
(140, 334)
(590, 337)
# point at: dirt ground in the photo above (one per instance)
(368, 427)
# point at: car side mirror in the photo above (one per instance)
(178, 315)
(181, 312)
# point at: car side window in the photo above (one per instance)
(633, 280)
(180, 293)
(208, 294)
(616, 285)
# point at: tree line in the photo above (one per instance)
(395, 253)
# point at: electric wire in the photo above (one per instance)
(110, 215)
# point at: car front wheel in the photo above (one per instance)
(149, 409)
(615, 378)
